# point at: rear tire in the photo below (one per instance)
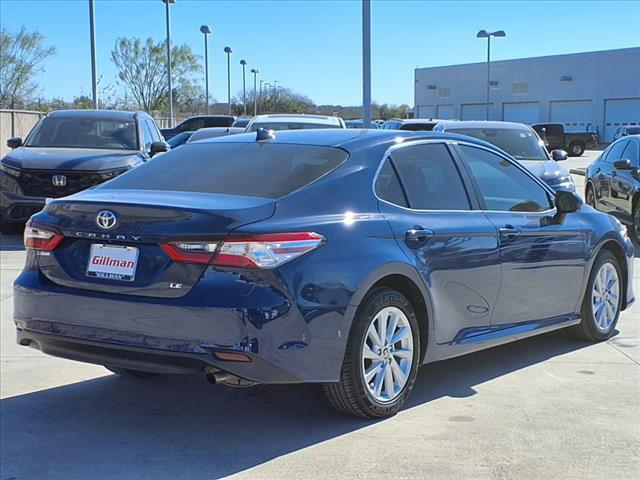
(576, 149)
(378, 373)
(602, 300)
(126, 372)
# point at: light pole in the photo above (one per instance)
(260, 96)
(168, 18)
(94, 77)
(228, 51)
(488, 35)
(366, 63)
(267, 87)
(255, 72)
(206, 31)
(244, 85)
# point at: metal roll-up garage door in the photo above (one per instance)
(575, 115)
(521, 112)
(474, 111)
(445, 112)
(425, 111)
(624, 112)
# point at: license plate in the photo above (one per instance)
(112, 262)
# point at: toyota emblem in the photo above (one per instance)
(106, 219)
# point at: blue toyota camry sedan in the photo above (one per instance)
(341, 257)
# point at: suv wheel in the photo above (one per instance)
(381, 358)
(602, 300)
(590, 197)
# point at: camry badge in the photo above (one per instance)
(59, 180)
(106, 219)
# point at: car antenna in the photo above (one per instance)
(264, 134)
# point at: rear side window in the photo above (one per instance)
(503, 185)
(430, 178)
(253, 169)
(388, 186)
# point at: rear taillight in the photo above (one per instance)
(259, 251)
(40, 237)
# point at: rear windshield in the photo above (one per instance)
(288, 126)
(414, 127)
(253, 169)
(69, 132)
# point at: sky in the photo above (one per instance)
(314, 47)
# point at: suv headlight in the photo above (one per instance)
(113, 173)
(13, 171)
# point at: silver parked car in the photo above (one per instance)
(294, 122)
(521, 142)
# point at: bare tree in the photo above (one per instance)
(142, 69)
(21, 58)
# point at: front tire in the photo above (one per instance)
(602, 300)
(590, 197)
(381, 359)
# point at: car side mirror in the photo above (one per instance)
(559, 155)
(157, 147)
(567, 202)
(14, 142)
(623, 164)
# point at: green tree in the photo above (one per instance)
(142, 69)
(21, 57)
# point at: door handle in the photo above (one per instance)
(508, 232)
(418, 234)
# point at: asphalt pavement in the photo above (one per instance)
(546, 407)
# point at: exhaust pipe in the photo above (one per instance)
(225, 378)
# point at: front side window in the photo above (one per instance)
(503, 186)
(631, 153)
(83, 132)
(430, 178)
(615, 151)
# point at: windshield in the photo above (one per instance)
(521, 144)
(288, 126)
(82, 132)
(415, 127)
(253, 169)
(633, 130)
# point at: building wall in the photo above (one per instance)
(533, 90)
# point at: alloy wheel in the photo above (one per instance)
(387, 354)
(605, 297)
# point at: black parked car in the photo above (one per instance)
(613, 182)
(192, 124)
(69, 151)
(555, 138)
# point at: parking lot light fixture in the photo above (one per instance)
(168, 21)
(488, 35)
(228, 51)
(244, 85)
(255, 72)
(206, 31)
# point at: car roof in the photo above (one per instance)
(103, 114)
(300, 118)
(347, 139)
(459, 124)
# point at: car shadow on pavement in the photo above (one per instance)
(11, 243)
(182, 427)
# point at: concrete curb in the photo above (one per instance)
(578, 171)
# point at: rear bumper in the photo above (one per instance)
(136, 356)
(183, 335)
